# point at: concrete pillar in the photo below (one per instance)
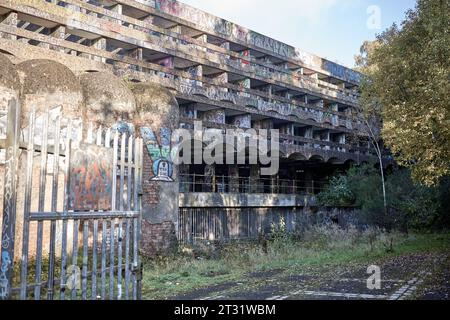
(136, 54)
(176, 29)
(309, 183)
(215, 116)
(244, 84)
(243, 121)
(209, 179)
(195, 71)
(255, 175)
(9, 19)
(118, 9)
(233, 173)
(220, 79)
(156, 119)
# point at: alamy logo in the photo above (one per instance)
(374, 280)
(236, 146)
(74, 278)
(374, 20)
(210, 146)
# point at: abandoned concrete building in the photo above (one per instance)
(157, 65)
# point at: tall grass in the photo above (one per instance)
(213, 263)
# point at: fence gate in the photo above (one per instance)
(71, 210)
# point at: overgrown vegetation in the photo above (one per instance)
(317, 247)
(410, 205)
(406, 84)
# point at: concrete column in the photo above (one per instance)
(210, 179)
(136, 54)
(118, 9)
(309, 184)
(274, 184)
(255, 175)
(244, 84)
(196, 71)
(233, 173)
(215, 116)
(100, 44)
(243, 121)
(156, 119)
(176, 29)
(221, 78)
(9, 19)
(60, 33)
(226, 46)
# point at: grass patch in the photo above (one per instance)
(318, 247)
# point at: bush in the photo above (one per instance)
(337, 194)
(410, 205)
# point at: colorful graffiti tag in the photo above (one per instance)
(90, 178)
(160, 153)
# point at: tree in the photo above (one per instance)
(369, 111)
(407, 83)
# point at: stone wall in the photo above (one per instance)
(98, 98)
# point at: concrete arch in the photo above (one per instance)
(316, 157)
(156, 106)
(107, 99)
(334, 160)
(47, 84)
(7, 53)
(297, 156)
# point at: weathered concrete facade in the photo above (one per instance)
(220, 73)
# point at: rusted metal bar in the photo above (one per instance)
(42, 184)
(94, 260)
(74, 275)
(103, 265)
(66, 205)
(51, 268)
(26, 206)
(85, 260)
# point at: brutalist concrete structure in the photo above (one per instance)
(222, 74)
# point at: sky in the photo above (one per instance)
(332, 29)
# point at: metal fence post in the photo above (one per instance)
(9, 200)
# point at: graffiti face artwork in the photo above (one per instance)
(160, 153)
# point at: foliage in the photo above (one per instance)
(337, 193)
(318, 246)
(407, 82)
(410, 205)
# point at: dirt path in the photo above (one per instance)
(414, 276)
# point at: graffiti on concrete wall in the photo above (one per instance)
(123, 127)
(166, 62)
(90, 178)
(211, 23)
(216, 116)
(160, 153)
(243, 121)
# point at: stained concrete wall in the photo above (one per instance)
(104, 100)
(157, 116)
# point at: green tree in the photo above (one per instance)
(408, 83)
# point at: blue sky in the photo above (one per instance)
(334, 29)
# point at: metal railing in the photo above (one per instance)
(195, 183)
